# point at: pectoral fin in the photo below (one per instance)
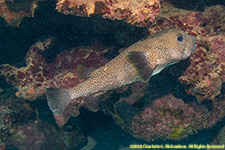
(140, 63)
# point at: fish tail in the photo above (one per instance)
(58, 99)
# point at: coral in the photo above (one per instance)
(167, 117)
(156, 116)
(38, 135)
(205, 75)
(5, 124)
(127, 96)
(143, 114)
(12, 110)
(13, 11)
(20, 127)
(133, 12)
(31, 81)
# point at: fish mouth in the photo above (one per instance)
(190, 47)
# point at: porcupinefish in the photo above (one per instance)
(138, 62)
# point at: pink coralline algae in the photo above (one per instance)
(140, 12)
(143, 115)
(170, 117)
(167, 117)
(206, 73)
(13, 11)
(31, 81)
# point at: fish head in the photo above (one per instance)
(179, 44)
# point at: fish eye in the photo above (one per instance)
(180, 38)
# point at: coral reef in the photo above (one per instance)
(38, 135)
(206, 73)
(5, 124)
(173, 118)
(143, 114)
(31, 81)
(20, 127)
(137, 12)
(13, 11)
(167, 117)
(12, 110)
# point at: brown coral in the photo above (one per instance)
(33, 79)
(140, 12)
(13, 11)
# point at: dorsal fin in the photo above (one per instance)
(140, 63)
(83, 71)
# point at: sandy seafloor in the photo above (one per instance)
(15, 42)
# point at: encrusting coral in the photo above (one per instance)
(13, 11)
(139, 12)
(33, 79)
(167, 116)
(205, 74)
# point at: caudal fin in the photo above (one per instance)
(57, 99)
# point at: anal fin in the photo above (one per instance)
(141, 64)
(92, 101)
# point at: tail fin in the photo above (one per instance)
(58, 99)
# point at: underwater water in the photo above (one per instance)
(46, 44)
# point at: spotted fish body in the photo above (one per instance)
(140, 61)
